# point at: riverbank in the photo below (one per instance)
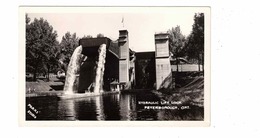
(192, 93)
(41, 87)
(44, 94)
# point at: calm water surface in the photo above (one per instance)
(107, 107)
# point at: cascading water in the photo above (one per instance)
(98, 83)
(73, 71)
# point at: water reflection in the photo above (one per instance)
(108, 107)
(99, 108)
(127, 107)
(66, 110)
(85, 109)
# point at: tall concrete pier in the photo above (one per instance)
(162, 60)
(123, 43)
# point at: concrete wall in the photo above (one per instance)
(162, 48)
(162, 60)
(186, 67)
(124, 66)
(163, 70)
(123, 71)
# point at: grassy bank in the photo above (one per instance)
(42, 87)
(192, 93)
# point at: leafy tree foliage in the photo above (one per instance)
(68, 44)
(176, 41)
(100, 35)
(40, 46)
(88, 36)
(195, 43)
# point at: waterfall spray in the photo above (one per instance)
(73, 71)
(98, 85)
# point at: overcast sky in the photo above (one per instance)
(141, 23)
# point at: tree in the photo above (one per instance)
(190, 49)
(53, 64)
(176, 42)
(27, 19)
(196, 40)
(68, 44)
(100, 35)
(40, 42)
(88, 36)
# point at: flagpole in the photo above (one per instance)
(123, 21)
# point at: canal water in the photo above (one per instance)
(124, 106)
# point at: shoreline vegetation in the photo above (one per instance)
(192, 93)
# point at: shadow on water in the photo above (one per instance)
(123, 106)
(46, 108)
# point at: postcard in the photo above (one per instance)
(114, 66)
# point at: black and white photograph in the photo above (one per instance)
(135, 64)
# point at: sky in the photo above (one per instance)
(141, 22)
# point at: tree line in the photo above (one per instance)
(44, 54)
(190, 47)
